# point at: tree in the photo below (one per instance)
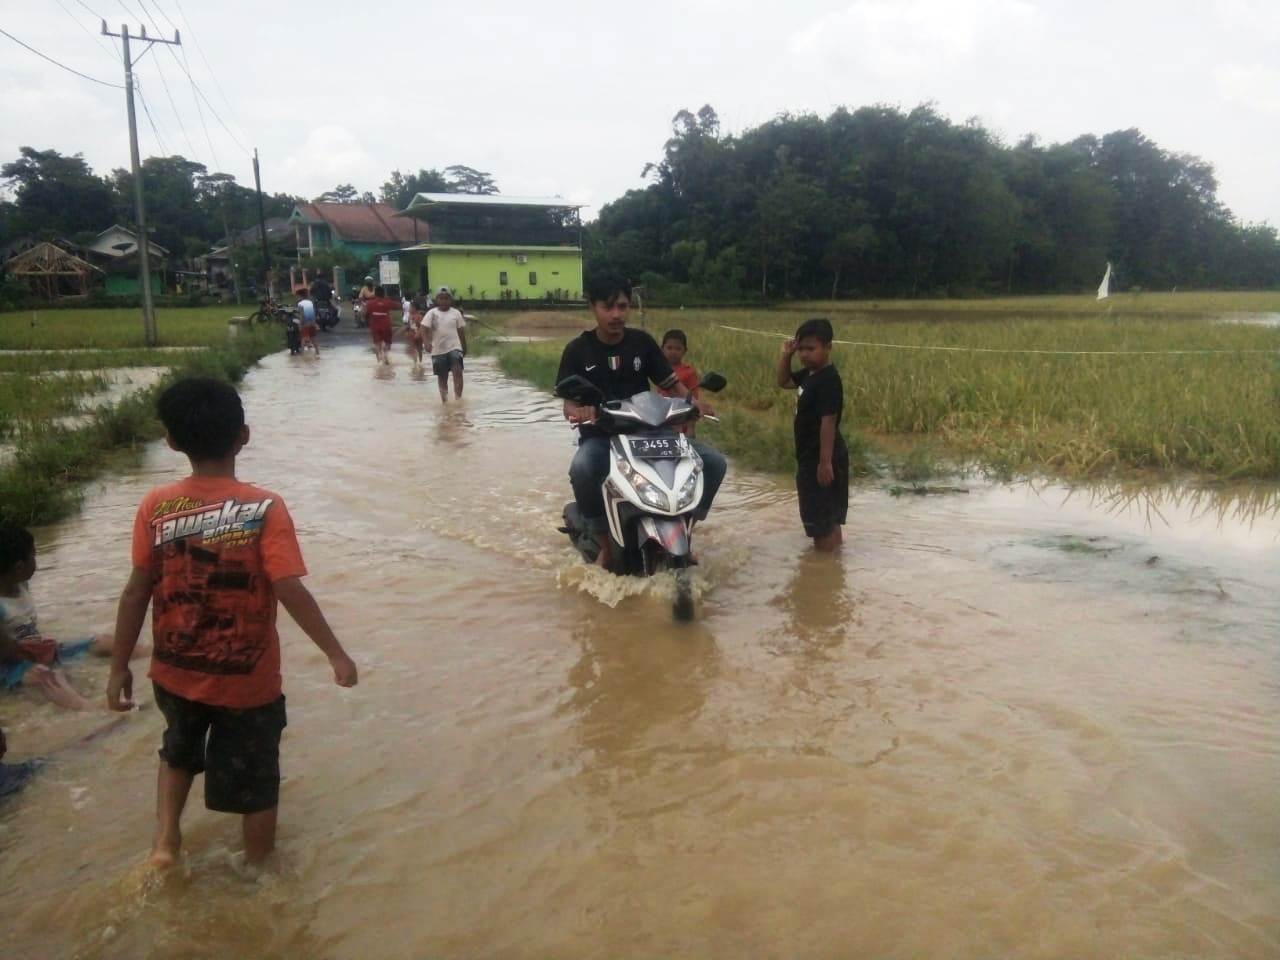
(399, 189)
(342, 193)
(463, 179)
(55, 194)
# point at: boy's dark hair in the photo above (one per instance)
(203, 416)
(302, 293)
(676, 335)
(605, 287)
(819, 327)
(379, 292)
(16, 545)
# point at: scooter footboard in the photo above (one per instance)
(671, 533)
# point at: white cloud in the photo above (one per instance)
(330, 155)
(1254, 85)
(892, 38)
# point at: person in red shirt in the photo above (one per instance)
(378, 312)
(211, 556)
(674, 346)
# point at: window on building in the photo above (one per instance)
(533, 278)
(502, 278)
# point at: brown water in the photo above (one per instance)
(995, 727)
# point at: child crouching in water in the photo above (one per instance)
(27, 655)
(211, 556)
(822, 459)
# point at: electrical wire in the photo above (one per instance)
(97, 37)
(84, 76)
(200, 50)
(164, 151)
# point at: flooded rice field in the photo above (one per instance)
(1013, 723)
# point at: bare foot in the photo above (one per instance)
(164, 855)
(605, 557)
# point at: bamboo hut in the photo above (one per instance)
(51, 272)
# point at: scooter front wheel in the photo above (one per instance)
(683, 607)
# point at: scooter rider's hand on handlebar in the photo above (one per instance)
(578, 414)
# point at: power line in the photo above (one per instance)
(200, 50)
(199, 112)
(84, 76)
(164, 151)
(96, 38)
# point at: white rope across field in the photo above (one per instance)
(1051, 353)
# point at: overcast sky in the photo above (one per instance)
(573, 98)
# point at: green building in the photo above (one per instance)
(494, 248)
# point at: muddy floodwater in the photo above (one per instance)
(1008, 723)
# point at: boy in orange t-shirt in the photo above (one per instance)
(674, 346)
(211, 556)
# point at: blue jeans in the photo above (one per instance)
(590, 466)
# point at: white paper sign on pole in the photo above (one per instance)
(389, 273)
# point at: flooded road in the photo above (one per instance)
(1008, 723)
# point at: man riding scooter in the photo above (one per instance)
(322, 296)
(620, 362)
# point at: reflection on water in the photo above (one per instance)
(1025, 722)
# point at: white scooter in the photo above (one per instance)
(653, 488)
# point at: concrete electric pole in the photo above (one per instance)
(144, 242)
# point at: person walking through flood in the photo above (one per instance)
(378, 314)
(621, 362)
(445, 330)
(822, 459)
(215, 554)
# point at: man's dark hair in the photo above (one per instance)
(819, 327)
(605, 287)
(16, 545)
(379, 292)
(203, 416)
(678, 336)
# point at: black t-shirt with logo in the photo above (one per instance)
(818, 394)
(620, 370)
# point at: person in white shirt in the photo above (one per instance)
(445, 332)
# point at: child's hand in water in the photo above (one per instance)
(120, 690)
(344, 670)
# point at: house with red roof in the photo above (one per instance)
(365, 229)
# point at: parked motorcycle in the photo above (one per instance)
(653, 488)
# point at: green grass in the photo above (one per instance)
(42, 481)
(1217, 416)
(114, 329)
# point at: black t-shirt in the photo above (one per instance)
(818, 395)
(620, 370)
(321, 292)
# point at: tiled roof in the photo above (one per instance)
(362, 222)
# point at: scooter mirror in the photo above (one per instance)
(578, 389)
(713, 382)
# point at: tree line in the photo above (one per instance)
(884, 202)
(189, 209)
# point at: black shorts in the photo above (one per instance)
(822, 509)
(238, 751)
(442, 364)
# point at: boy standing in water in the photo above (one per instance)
(446, 332)
(211, 556)
(822, 459)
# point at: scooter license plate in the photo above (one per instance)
(656, 448)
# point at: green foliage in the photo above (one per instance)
(883, 202)
(42, 481)
(1009, 413)
(399, 188)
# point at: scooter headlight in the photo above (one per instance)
(684, 497)
(648, 492)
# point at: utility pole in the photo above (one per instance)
(262, 225)
(231, 250)
(144, 241)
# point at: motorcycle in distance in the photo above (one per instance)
(653, 488)
(327, 316)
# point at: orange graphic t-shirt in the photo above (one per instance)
(213, 546)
